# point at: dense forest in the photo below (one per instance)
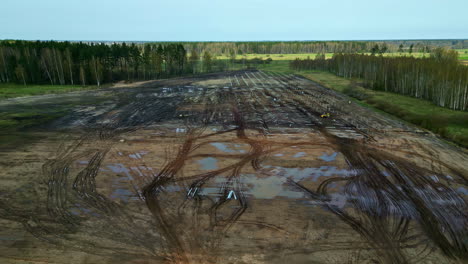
(90, 63)
(296, 47)
(51, 62)
(239, 48)
(446, 43)
(438, 78)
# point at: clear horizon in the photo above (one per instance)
(278, 40)
(242, 20)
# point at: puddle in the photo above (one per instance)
(208, 163)
(328, 158)
(138, 155)
(230, 147)
(462, 190)
(313, 174)
(120, 189)
(299, 155)
(4, 238)
(434, 178)
(272, 186)
(137, 170)
(269, 187)
(119, 168)
(122, 194)
(78, 210)
(210, 191)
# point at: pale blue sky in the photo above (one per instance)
(220, 20)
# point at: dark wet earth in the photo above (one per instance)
(228, 168)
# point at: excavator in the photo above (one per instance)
(327, 115)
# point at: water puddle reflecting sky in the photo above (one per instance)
(299, 155)
(230, 147)
(328, 158)
(208, 163)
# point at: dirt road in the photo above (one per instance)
(229, 168)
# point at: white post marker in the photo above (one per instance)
(232, 193)
(193, 193)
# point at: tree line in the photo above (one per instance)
(439, 78)
(80, 63)
(297, 47)
(240, 48)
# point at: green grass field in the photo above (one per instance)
(276, 57)
(462, 54)
(276, 66)
(16, 90)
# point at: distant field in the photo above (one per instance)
(15, 90)
(462, 53)
(277, 56)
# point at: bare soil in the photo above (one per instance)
(235, 167)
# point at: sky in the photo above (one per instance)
(235, 20)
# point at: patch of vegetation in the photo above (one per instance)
(276, 66)
(277, 57)
(10, 122)
(9, 90)
(16, 125)
(351, 90)
(16, 139)
(254, 61)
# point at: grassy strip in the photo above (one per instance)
(15, 90)
(450, 124)
(275, 57)
(14, 127)
(276, 66)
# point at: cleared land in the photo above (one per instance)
(450, 124)
(228, 168)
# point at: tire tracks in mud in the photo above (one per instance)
(435, 224)
(385, 223)
(113, 231)
(392, 203)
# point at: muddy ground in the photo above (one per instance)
(228, 168)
